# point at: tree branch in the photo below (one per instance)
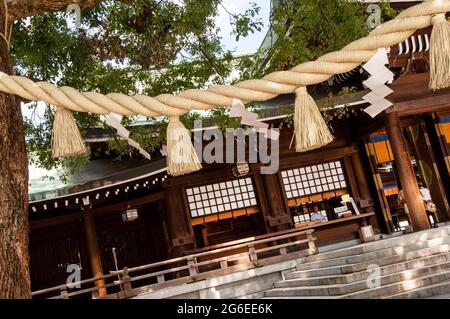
(19, 9)
(322, 11)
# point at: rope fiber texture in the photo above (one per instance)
(271, 85)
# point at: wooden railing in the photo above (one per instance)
(247, 254)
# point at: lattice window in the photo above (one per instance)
(313, 179)
(221, 197)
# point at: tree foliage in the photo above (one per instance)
(144, 46)
(161, 46)
(307, 29)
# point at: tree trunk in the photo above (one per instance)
(14, 258)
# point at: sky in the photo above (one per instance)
(252, 42)
(244, 46)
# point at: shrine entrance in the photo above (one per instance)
(423, 141)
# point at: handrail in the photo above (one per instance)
(81, 282)
(215, 251)
(192, 264)
(241, 241)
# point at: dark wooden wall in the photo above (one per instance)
(163, 229)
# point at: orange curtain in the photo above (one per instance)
(445, 127)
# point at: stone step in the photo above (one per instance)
(362, 266)
(381, 244)
(416, 265)
(386, 252)
(343, 289)
(397, 288)
(302, 297)
(436, 291)
(400, 287)
(362, 275)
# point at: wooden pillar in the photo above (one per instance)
(177, 220)
(384, 205)
(280, 218)
(442, 141)
(363, 186)
(93, 251)
(262, 200)
(405, 171)
(429, 170)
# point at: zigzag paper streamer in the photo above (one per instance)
(250, 118)
(380, 75)
(113, 120)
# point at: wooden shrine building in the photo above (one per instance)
(141, 215)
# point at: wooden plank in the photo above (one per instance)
(335, 221)
(282, 246)
(312, 157)
(56, 220)
(241, 241)
(422, 106)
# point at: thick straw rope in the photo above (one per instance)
(273, 84)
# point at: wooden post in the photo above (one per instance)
(312, 244)
(276, 202)
(262, 200)
(160, 279)
(64, 294)
(125, 287)
(191, 263)
(94, 251)
(180, 231)
(405, 171)
(361, 180)
(252, 254)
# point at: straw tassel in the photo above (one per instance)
(181, 156)
(67, 140)
(440, 53)
(310, 129)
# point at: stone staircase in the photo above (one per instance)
(416, 265)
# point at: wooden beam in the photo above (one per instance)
(414, 86)
(420, 106)
(56, 220)
(286, 161)
(312, 157)
(412, 96)
(131, 203)
(405, 171)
